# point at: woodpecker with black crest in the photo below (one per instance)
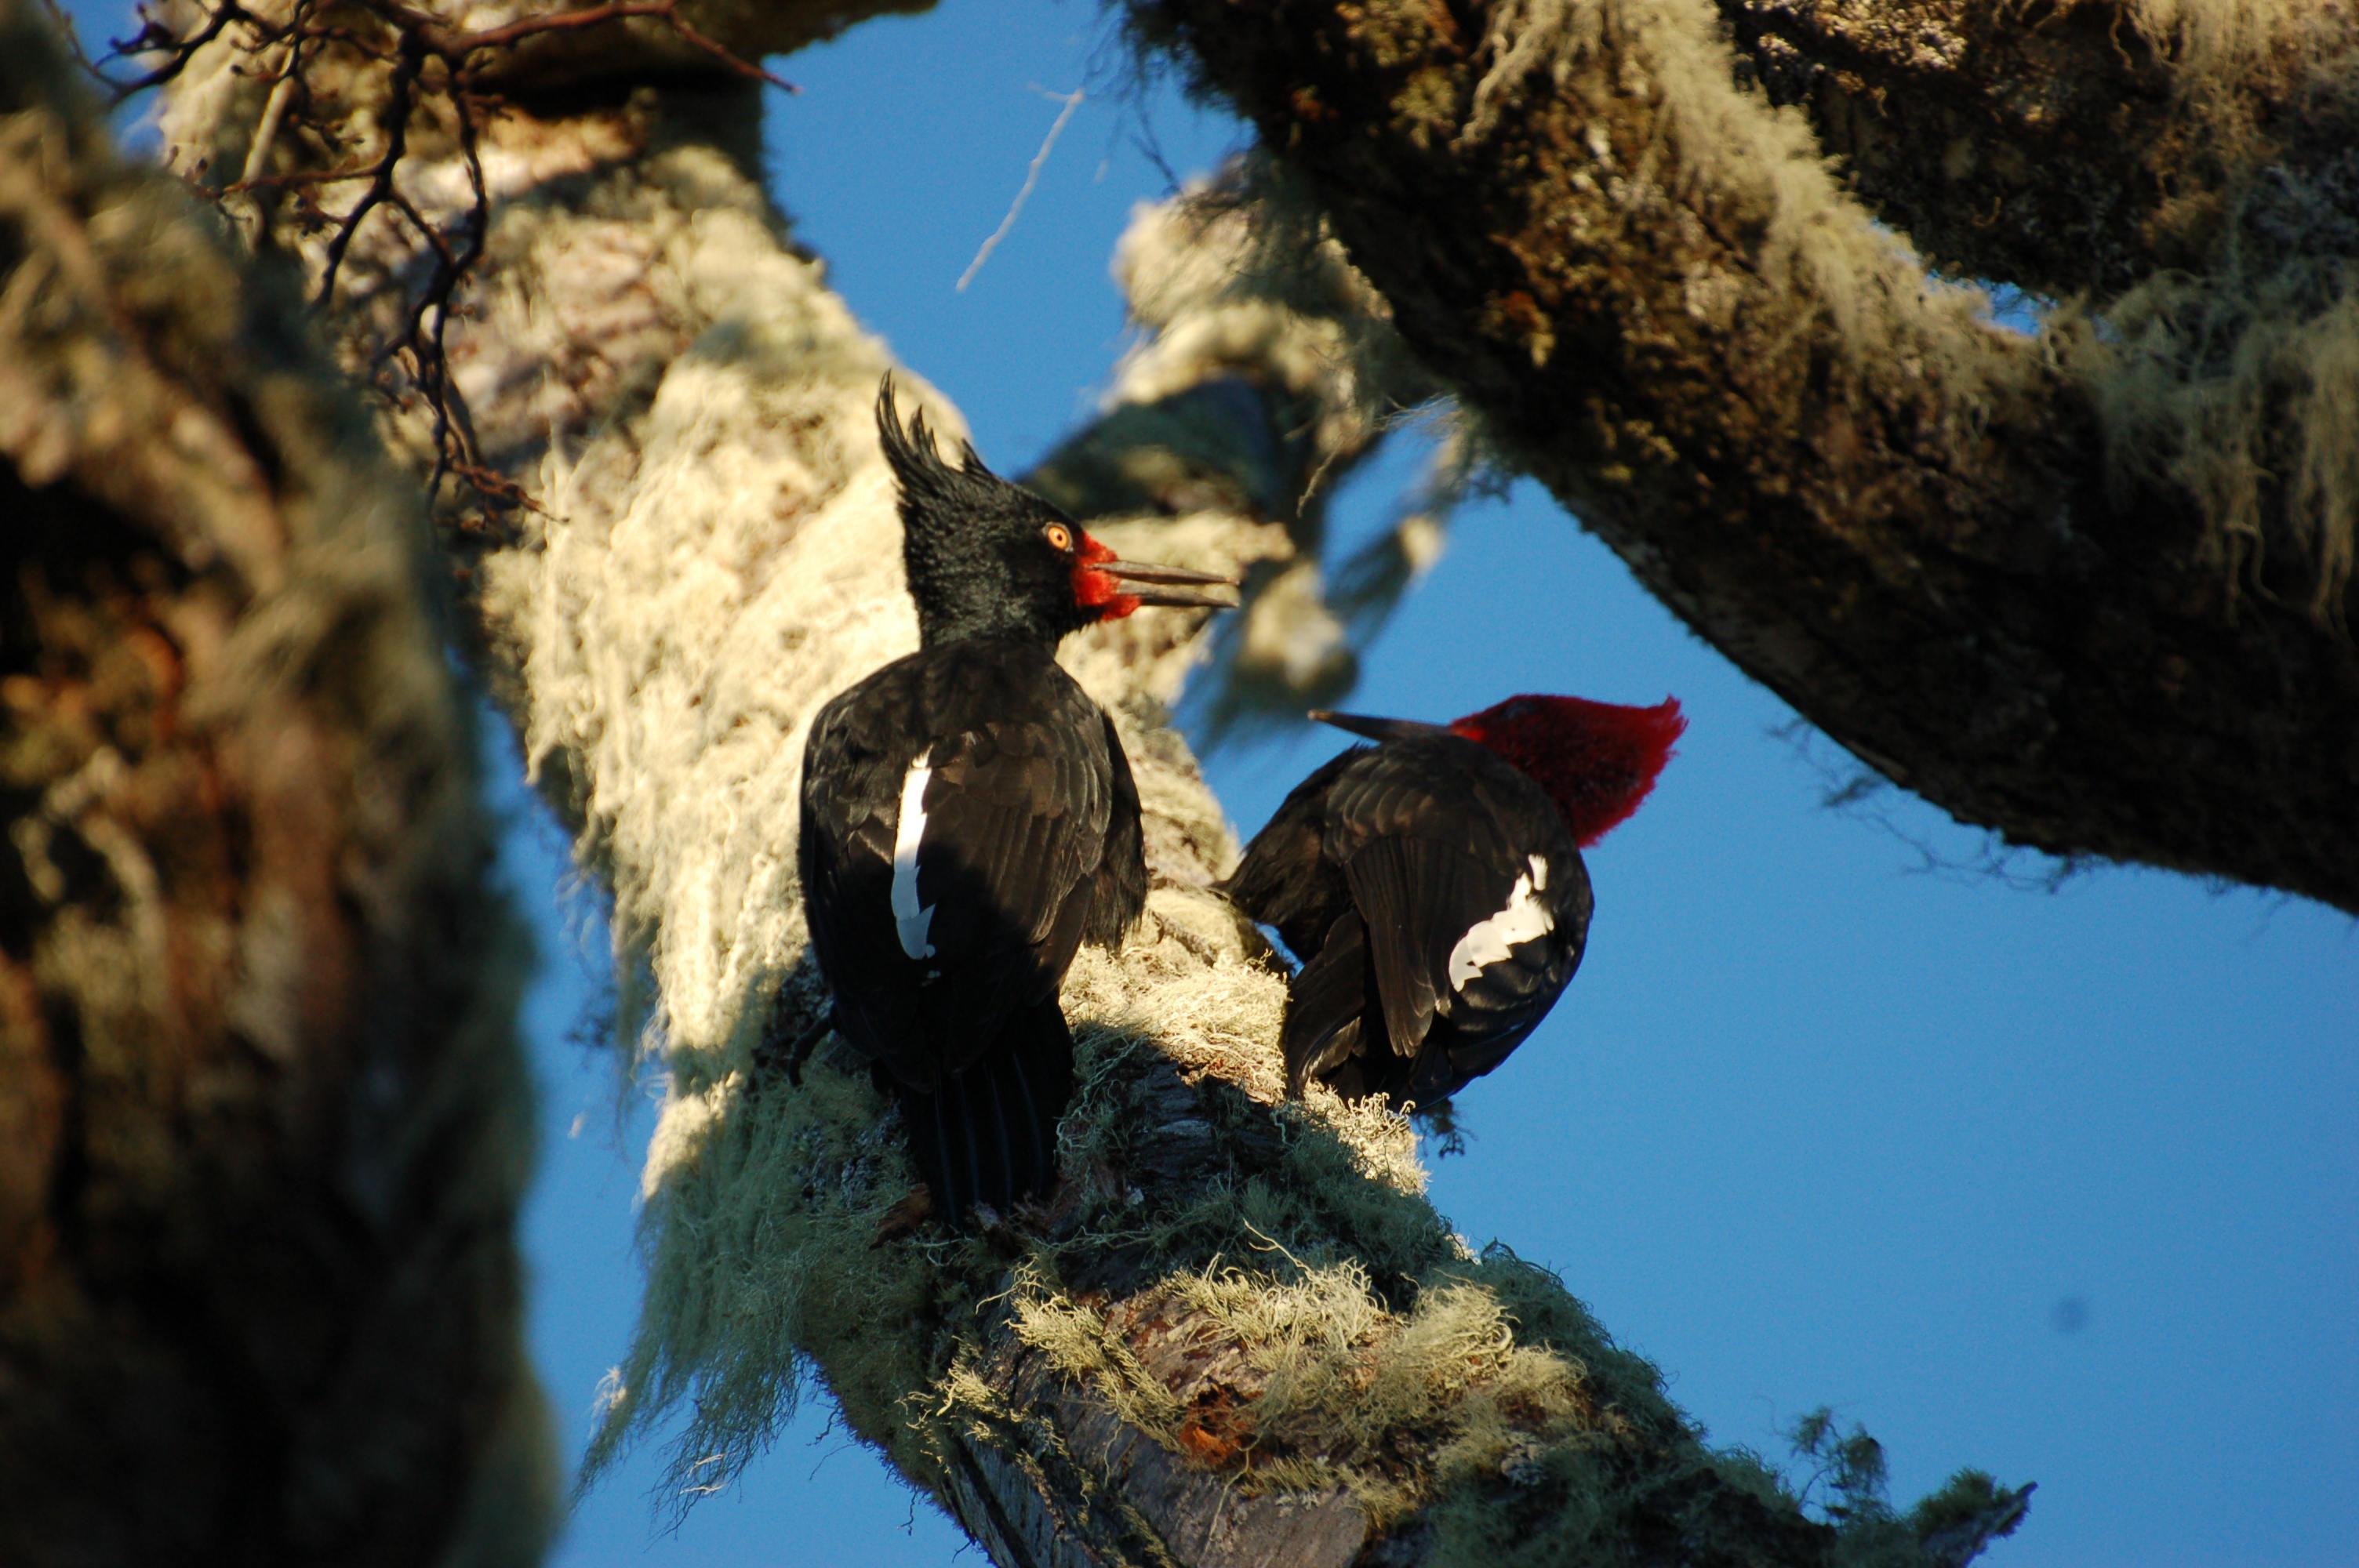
(969, 819)
(1432, 885)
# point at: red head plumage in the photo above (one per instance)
(1095, 588)
(1596, 760)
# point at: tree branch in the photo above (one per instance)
(2059, 148)
(2089, 589)
(263, 1120)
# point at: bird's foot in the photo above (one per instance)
(1196, 945)
(774, 1054)
(905, 1216)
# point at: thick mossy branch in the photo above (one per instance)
(2062, 148)
(266, 1120)
(2188, 170)
(1343, 1385)
(2242, 390)
(1988, 563)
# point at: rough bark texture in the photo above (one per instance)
(263, 1120)
(2090, 589)
(2060, 147)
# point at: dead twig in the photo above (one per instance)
(430, 68)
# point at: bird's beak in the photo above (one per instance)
(1377, 728)
(1163, 584)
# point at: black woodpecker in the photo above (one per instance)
(1433, 888)
(969, 819)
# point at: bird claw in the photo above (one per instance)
(905, 1216)
(795, 1052)
(1203, 950)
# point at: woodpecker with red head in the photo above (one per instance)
(969, 819)
(1433, 888)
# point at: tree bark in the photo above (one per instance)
(264, 1119)
(1239, 1334)
(2088, 587)
(2069, 148)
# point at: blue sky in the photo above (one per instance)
(2064, 1185)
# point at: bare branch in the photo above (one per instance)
(1072, 103)
(436, 72)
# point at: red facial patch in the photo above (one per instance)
(1095, 590)
(1596, 760)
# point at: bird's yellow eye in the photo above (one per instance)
(1060, 537)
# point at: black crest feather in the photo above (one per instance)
(972, 542)
(916, 457)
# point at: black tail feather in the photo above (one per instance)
(990, 1134)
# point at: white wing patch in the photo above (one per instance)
(1489, 940)
(911, 921)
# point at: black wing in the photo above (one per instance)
(1327, 1009)
(1491, 1011)
(1120, 893)
(1476, 905)
(1286, 878)
(1017, 795)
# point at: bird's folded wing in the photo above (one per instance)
(1286, 878)
(1016, 815)
(1119, 892)
(935, 929)
(1417, 898)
